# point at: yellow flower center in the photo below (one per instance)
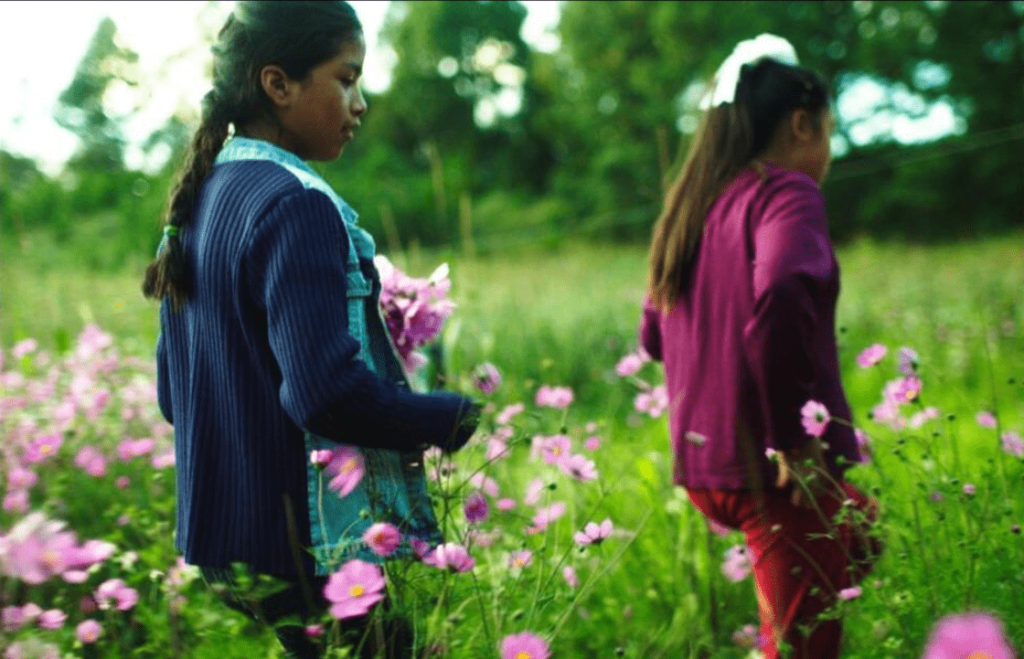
(978, 654)
(524, 655)
(348, 466)
(50, 559)
(356, 591)
(45, 449)
(556, 451)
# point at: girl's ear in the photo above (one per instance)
(276, 84)
(803, 126)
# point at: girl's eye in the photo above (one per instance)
(348, 82)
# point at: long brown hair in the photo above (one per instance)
(297, 36)
(729, 137)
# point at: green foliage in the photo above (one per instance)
(81, 107)
(602, 125)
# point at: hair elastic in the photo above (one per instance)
(170, 230)
(751, 51)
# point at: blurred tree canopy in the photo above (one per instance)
(482, 142)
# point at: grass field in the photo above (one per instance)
(655, 588)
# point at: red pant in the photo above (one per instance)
(798, 573)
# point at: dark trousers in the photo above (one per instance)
(288, 605)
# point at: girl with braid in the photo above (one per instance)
(272, 345)
(741, 311)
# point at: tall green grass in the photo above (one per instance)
(566, 317)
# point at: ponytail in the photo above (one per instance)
(730, 136)
(168, 274)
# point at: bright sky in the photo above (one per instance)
(42, 43)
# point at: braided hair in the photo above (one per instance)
(297, 36)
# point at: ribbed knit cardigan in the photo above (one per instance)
(258, 355)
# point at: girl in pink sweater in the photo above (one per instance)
(741, 311)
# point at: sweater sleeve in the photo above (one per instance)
(792, 261)
(296, 268)
(650, 330)
(163, 380)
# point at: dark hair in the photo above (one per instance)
(297, 36)
(729, 138)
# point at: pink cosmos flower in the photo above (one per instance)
(91, 461)
(43, 448)
(116, 592)
(524, 646)
(534, 490)
(382, 538)
(923, 417)
(593, 533)
(88, 631)
(986, 419)
(320, 458)
(592, 443)
(122, 482)
(850, 593)
(629, 365)
(520, 559)
(163, 460)
(497, 449)
(968, 635)
(653, 402)
(486, 378)
(508, 413)
(871, 355)
(346, 469)
(36, 549)
(969, 489)
(505, 504)
(815, 418)
(354, 589)
(579, 467)
(545, 516)
(485, 484)
(555, 448)
(12, 618)
(746, 637)
(134, 448)
(909, 388)
(1013, 444)
(24, 347)
(20, 478)
(314, 631)
(480, 538)
(737, 565)
(450, 556)
(556, 397)
(476, 508)
(17, 501)
(569, 574)
(906, 361)
(52, 619)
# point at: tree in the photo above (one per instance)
(83, 108)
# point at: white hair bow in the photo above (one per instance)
(751, 51)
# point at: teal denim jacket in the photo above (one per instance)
(393, 488)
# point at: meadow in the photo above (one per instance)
(83, 443)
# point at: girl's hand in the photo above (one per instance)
(804, 469)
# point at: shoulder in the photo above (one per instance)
(788, 183)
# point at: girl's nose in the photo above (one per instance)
(359, 103)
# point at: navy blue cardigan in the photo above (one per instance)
(260, 354)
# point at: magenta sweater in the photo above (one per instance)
(753, 339)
